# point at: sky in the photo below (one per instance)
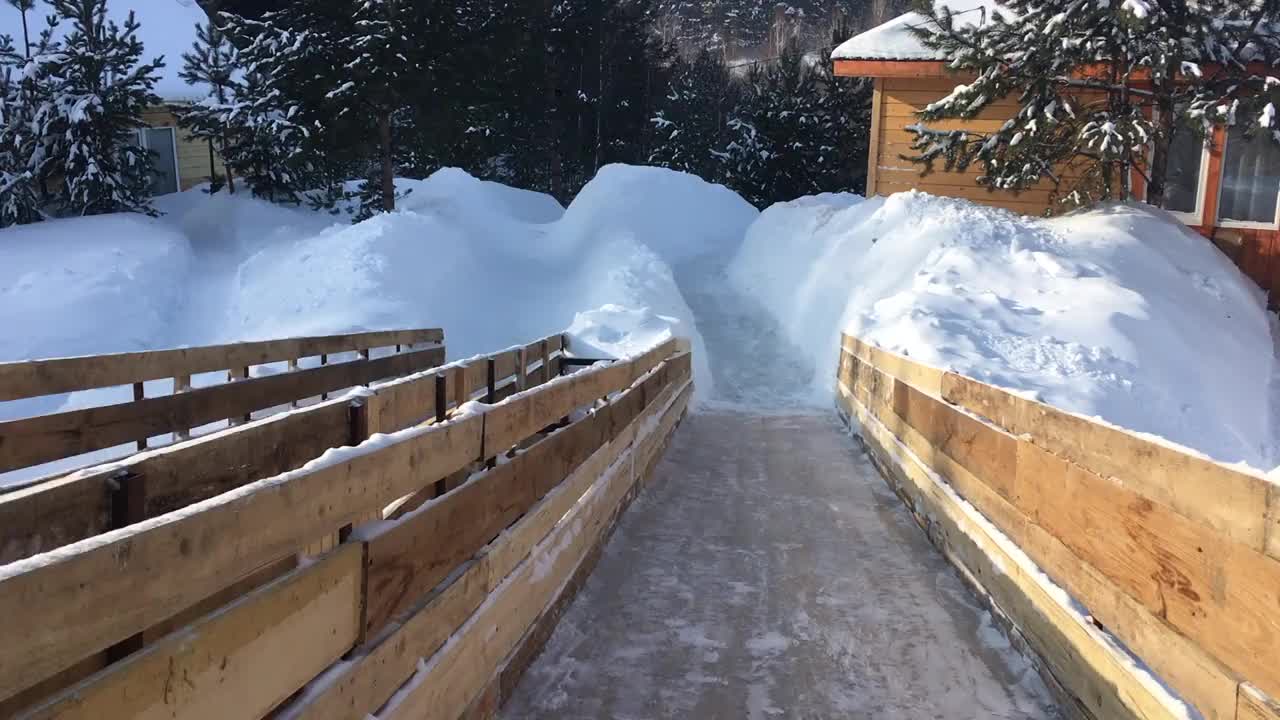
(168, 29)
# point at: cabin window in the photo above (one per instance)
(1250, 179)
(162, 142)
(1182, 191)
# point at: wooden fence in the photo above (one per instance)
(1174, 555)
(35, 440)
(412, 575)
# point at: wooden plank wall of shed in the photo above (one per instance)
(193, 155)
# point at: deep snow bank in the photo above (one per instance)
(90, 285)
(487, 264)
(1120, 312)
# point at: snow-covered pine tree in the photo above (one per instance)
(210, 64)
(692, 119)
(99, 86)
(269, 142)
(1100, 87)
(20, 156)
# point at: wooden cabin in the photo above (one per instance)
(1226, 188)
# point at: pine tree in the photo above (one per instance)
(1100, 88)
(692, 119)
(98, 89)
(20, 156)
(210, 63)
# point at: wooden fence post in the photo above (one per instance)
(181, 384)
(128, 506)
(139, 392)
(442, 414)
(544, 375)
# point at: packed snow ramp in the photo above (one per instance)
(411, 570)
(1145, 576)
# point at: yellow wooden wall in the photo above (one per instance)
(193, 155)
(895, 103)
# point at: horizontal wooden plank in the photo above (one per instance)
(1095, 672)
(239, 662)
(1219, 593)
(1228, 500)
(504, 364)
(460, 671)
(32, 378)
(402, 403)
(368, 680)
(1255, 705)
(44, 438)
(54, 513)
(982, 449)
(515, 419)
(160, 567)
(49, 515)
(421, 549)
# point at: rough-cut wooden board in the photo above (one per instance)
(1092, 670)
(32, 378)
(1220, 594)
(461, 670)
(413, 556)
(982, 449)
(1227, 500)
(1255, 705)
(240, 662)
(508, 676)
(504, 364)
(369, 679)
(364, 683)
(35, 440)
(515, 419)
(57, 512)
(51, 514)
(159, 568)
(403, 403)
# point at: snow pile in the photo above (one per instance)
(96, 285)
(494, 267)
(1120, 312)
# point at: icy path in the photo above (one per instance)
(767, 571)
(753, 365)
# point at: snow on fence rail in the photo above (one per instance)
(448, 540)
(44, 438)
(1174, 555)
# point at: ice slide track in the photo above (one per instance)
(768, 571)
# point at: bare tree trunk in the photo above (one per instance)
(388, 167)
(26, 38)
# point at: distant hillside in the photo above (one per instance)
(755, 29)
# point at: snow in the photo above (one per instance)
(494, 266)
(894, 41)
(1119, 313)
(167, 27)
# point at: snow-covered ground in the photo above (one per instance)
(494, 266)
(1119, 312)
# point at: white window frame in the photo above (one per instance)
(173, 138)
(1240, 224)
(1196, 218)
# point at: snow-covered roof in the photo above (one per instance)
(894, 41)
(168, 27)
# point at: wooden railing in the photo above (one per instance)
(437, 550)
(35, 440)
(1175, 555)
